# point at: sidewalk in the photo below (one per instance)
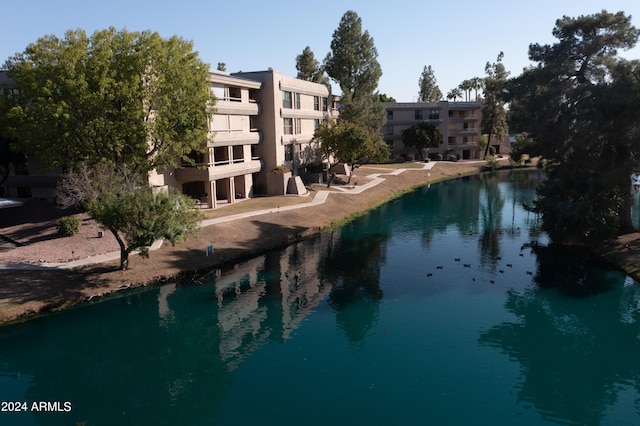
(319, 198)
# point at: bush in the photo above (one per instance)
(439, 157)
(315, 168)
(68, 226)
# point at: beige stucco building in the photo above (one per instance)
(262, 120)
(459, 123)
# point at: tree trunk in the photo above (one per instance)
(486, 149)
(124, 253)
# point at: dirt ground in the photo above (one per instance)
(26, 293)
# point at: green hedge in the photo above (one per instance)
(68, 226)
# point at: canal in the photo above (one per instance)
(446, 306)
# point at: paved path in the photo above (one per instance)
(320, 198)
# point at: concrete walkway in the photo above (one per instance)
(320, 198)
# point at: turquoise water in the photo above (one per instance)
(444, 307)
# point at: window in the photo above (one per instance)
(434, 114)
(418, 114)
(288, 152)
(316, 103)
(288, 126)
(389, 115)
(298, 126)
(297, 106)
(287, 101)
(461, 113)
(316, 123)
(325, 103)
(450, 113)
(389, 130)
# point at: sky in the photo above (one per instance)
(456, 38)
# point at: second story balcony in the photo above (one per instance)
(218, 170)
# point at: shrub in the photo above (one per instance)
(314, 168)
(281, 170)
(68, 226)
(439, 157)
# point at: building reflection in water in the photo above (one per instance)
(267, 298)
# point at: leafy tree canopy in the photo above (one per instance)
(353, 64)
(422, 136)
(350, 143)
(494, 115)
(454, 94)
(121, 201)
(580, 108)
(309, 68)
(117, 96)
(383, 97)
(429, 90)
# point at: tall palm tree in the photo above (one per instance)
(454, 94)
(466, 86)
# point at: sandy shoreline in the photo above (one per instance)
(24, 294)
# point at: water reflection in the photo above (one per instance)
(573, 366)
(192, 353)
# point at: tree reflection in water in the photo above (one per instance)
(571, 362)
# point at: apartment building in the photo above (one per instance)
(262, 120)
(291, 110)
(459, 123)
(226, 170)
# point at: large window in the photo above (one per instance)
(297, 105)
(418, 114)
(298, 127)
(316, 103)
(434, 114)
(287, 101)
(288, 126)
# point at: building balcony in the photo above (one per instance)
(235, 106)
(220, 169)
(234, 137)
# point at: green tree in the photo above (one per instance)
(121, 201)
(117, 96)
(309, 68)
(466, 87)
(10, 156)
(494, 115)
(221, 66)
(422, 136)
(350, 143)
(383, 97)
(477, 83)
(429, 90)
(353, 64)
(454, 94)
(580, 107)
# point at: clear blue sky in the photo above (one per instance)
(456, 38)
